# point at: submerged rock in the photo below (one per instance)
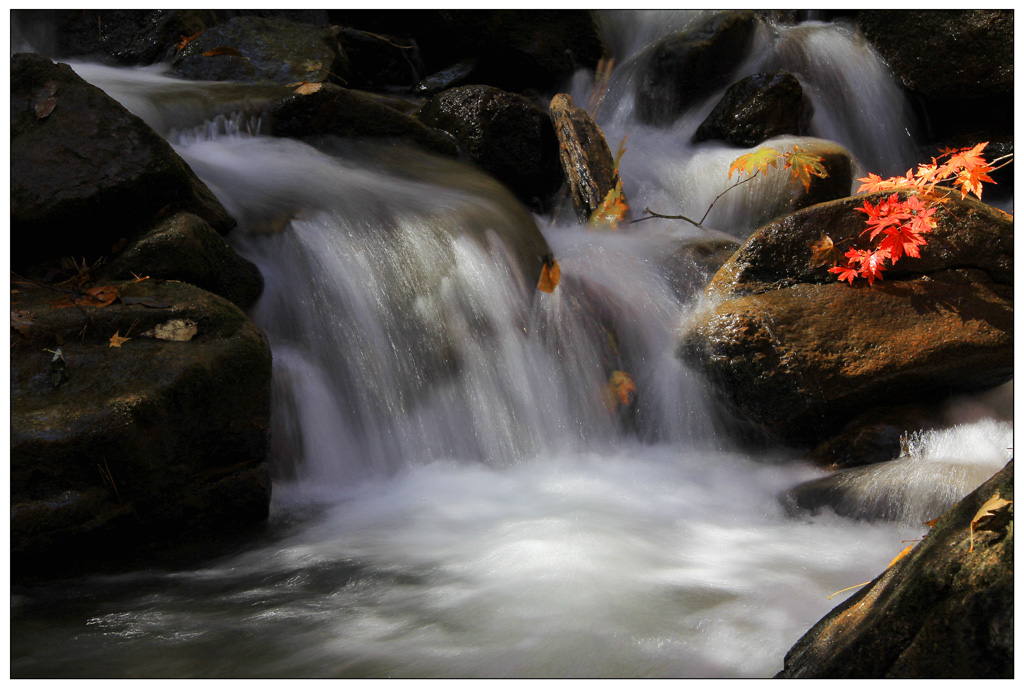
(756, 108)
(799, 354)
(504, 134)
(691, 64)
(941, 611)
(85, 172)
(119, 444)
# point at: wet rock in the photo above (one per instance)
(341, 112)
(799, 354)
(587, 161)
(756, 108)
(874, 436)
(959, 63)
(942, 611)
(505, 135)
(262, 50)
(690, 267)
(691, 64)
(458, 74)
(139, 443)
(185, 248)
(85, 172)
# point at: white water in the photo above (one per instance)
(453, 497)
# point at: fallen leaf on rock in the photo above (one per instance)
(177, 330)
(21, 322)
(224, 50)
(96, 297)
(619, 390)
(304, 88)
(988, 510)
(823, 252)
(550, 275)
(117, 340)
(45, 101)
(185, 40)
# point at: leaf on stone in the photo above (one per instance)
(823, 251)
(96, 297)
(899, 556)
(988, 510)
(550, 275)
(21, 322)
(619, 390)
(307, 88)
(612, 210)
(185, 40)
(312, 65)
(803, 165)
(177, 330)
(45, 101)
(116, 340)
(224, 50)
(759, 160)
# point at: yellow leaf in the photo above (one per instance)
(802, 165)
(177, 330)
(116, 340)
(550, 275)
(989, 509)
(612, 210)
(304, 88)
(619, 390)
(758, 160)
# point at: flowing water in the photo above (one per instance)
(454, 494)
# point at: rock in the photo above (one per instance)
(874, 436)
(958, 62)
(586, 159)
(942, 611)
(450, 77)
(127, 37)
(799, 354)
(756, 108)
(690, 267)
(517, 50)
(85, 172)
(505, 135)
(185, 248)
(691, 64)
(260, 50)
(378, 62)
(341, 112)
(140, 443)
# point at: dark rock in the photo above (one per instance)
(517, 50)
(690, 65)
(942, 611)
(874, 436)
(127, 37)
(505, 135)
(690, 267)
(958, 62)
(586, 159)
(259, 50)
(378, 62)
(139, 443)
(341, 112)
(757, 108)
(185, 248)
(85, 172)
(788, 347)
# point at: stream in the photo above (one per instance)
(453, 496)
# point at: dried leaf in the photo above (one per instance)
(185, 40)
(45, 101)
(304, 88)
(823, 252)
(989, 509)
(177, 330)
(931, 523)
(224, 50)
(899, 556)
(312, 65)
(117, 340)
(612, 210)
(619, 390)
(21, 322)
(96, 297)
(550, 275)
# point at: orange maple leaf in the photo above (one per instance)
(550, 275)
(117, 340)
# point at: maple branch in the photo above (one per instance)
(669, 217)
(738, 182)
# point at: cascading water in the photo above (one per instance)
(454, 495)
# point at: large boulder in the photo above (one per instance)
(264, 50)
(799, 354)
(959, 63)
(941, 611)
(340, 112)
(691, 64)
(85, 172)
(756, 108)
(505, 135)
(118, 445)
(184, 247)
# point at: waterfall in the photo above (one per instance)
(456, 492)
